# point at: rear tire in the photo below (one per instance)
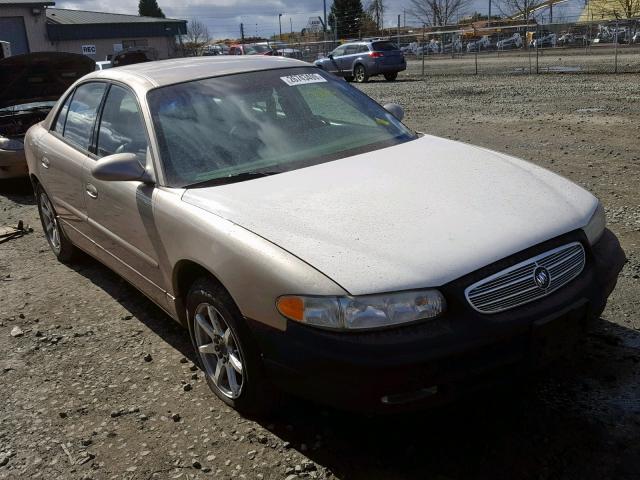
(360, 74)
(61, 246)
(390, 77)
(226, 350)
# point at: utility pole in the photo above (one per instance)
(280, 24)
(489, 16)
(291, 24)
(398, 30)
(242, 33)
(324, 6)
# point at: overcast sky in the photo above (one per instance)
(223, 17)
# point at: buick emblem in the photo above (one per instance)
(542, 278)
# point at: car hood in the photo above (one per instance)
(419, 214)
(41, 76)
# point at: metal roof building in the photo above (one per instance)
(31, 26)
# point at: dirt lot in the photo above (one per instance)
(101, 384)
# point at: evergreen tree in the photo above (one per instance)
(150, 8)
(346, 16)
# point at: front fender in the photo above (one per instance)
(254, 270)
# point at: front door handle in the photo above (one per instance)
(92, 191)
(45, 162)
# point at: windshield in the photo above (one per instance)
(270, 121)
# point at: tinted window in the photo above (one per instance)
(62, 116)
(338, 51)
(121, 125)
(383, 46)
(82, 113)
(278, 120)
(363, 49)
(351, 49)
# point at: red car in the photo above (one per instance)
(251, 49)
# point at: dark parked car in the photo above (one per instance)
(361, 60)
(133, 56)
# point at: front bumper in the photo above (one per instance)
(13, 164)
(434, 361)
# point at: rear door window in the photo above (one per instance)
(62, 116)
(82, 114)
(351, 49)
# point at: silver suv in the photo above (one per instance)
(361, 60)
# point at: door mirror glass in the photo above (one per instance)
(121, 167)
(395, 110)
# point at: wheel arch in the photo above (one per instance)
(185, 273)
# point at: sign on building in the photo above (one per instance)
(314, 25)
(88, 49)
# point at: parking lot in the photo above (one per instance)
(100, 384)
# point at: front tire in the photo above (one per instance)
(226, 350)
(390, 77)
(360, 74)
(61, 246)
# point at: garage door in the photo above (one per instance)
(12, 31)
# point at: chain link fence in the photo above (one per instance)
(577, 47)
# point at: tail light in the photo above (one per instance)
(376, 54)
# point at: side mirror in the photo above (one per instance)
(395, 110)
(121, 167)
(330, 56)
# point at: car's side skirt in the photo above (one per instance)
(149, 289)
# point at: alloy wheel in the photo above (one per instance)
(218, 350)
(50, 223)
(360, 74)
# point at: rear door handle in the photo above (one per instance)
(92, 191)
(45, 162)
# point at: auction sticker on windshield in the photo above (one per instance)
(302, 79)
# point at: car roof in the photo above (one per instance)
(178, 70)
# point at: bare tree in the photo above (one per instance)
(615, 8)
(522, 9)
(438, 12)
(196, 39)
(376, 9)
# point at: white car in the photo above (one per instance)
(103, 65)
(478, 45)
(514, 41)
(309, 240)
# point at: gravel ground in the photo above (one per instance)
(96, 382)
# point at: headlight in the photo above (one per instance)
(363, 312)
(10, 144)
(595, 228)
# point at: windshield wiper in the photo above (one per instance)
(238, 177)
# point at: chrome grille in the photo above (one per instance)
(517, 285)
